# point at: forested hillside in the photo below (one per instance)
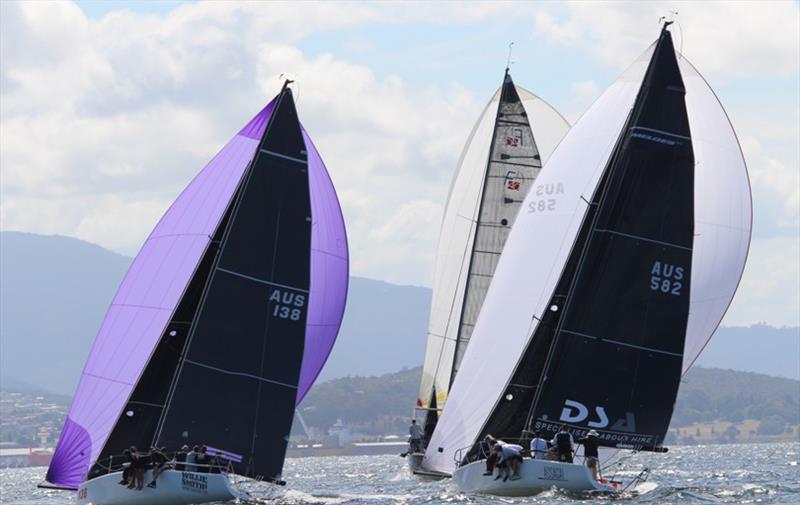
(711, 401)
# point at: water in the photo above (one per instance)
(766, 473)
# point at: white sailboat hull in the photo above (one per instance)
(416, 468)
(173, 488)
(536, 475)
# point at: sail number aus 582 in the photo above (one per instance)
(545, 204)
(288, 305)
(666, 278)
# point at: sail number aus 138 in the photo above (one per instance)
(666, 278)
(287, 305)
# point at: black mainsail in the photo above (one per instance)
(607, 355)
(245, 346)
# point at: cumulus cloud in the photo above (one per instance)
(726, 40)
(766, 293)
(582, 94)
(104, 121)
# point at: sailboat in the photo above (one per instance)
(514, 135)
(220, 326)
(610, 286)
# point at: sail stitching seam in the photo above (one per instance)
(637, 237)
(279, 155)
(243, 374)
(261, 280)
(620, 343)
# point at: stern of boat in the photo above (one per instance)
(172, 488)
(536, 475)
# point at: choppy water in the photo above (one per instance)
(767, 473)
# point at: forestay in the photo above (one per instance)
(518, 298)
(516, 132)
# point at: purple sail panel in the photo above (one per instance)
(329, 270)
(144, 303)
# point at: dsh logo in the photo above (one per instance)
(576, 412)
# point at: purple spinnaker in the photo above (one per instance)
(329, 270)
(155, 283)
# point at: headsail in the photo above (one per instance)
(504, 153)
(518, 304)
(124, 385)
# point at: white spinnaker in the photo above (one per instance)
(723, 212)
(723, 216)
(540, 243)
(458, 233)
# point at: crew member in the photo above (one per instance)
(590, 457)
(415, 431)
(564, 444)
(538, 446)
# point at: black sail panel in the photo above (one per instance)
(616, 360)
(237, 384)
(138, 421)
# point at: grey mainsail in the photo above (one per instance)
(506, 149)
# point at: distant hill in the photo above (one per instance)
(53, 294)
(55, 290)
(707, 395)
(759, 348)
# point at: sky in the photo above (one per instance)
(107, 109)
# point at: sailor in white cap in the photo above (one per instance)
(590, 443)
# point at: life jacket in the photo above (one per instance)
(563, 442)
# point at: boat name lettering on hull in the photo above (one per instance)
(194, 482)
(287, 304)
(553, 473)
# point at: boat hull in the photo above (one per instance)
(173, 488)
(416, 468)
(536, 475)
(414, 460)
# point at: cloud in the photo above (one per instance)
(582, 94)
(770, 287)
(105, 121)
(729, 40)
